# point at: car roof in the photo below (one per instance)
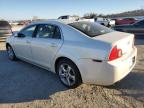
(66, 22)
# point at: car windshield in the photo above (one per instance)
(90, 29)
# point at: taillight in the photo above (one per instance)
(115, 53)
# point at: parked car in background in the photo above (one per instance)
(24, 22)
(88, 20)
(105, 21)
(14, 23)
(102, 21)
(136, 28)
(111, 22)
(126, 21)
(68, 17)
(5, 30)
(77, 51)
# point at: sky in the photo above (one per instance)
(50, 9)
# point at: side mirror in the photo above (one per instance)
(21, 35)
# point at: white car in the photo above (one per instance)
(77, 51)
(111, 22)
(68, 17)
(102, 21)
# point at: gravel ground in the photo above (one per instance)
(23, 85)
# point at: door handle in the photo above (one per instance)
(53, 45)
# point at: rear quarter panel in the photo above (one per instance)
(77, 46)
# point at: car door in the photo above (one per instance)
(22, 44)
(46, 44)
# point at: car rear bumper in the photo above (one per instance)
(107, 73)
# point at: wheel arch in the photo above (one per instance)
(8, 44)
(63, 57)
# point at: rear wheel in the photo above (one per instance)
(11, 53)
(68, 73)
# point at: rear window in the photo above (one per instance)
(91, 29)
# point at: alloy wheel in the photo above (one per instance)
(67, 74)
(10, 53)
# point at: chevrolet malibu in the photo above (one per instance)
(79, 52)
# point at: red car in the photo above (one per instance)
(126, 21)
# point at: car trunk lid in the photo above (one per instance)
(123, 41)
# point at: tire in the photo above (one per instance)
(11, 53)
(68, 73)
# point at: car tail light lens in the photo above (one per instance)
(115, 53)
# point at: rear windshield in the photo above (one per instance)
(4, 23)
(91, 29)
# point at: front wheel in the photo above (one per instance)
(68, 73)
(11, 53)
